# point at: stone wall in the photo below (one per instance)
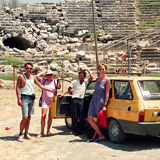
(116, 17)
(149, 15)
(43, 31)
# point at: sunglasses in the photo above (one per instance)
(49, 74)
(29, 68)
(101, 69)
(81, 76)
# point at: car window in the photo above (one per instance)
(150, 89)
(64, 85)
(122, 90)
(90, 88)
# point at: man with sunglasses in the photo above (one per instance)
(25, 97)
(78, 87)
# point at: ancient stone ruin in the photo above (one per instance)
(42, 33)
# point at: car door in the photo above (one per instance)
(60, 106)
(123, 105)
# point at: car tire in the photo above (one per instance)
(68, 122)
(115, 132)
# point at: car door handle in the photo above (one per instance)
(129, 108)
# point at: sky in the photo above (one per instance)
(37, 1)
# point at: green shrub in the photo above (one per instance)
(74, 77)
(157, 23)
(67, 57)
(90, 34)
(137, 14)
(137, 4)
(144, 26)
(8, 77)
(10, 60)
(59, 62)
(153, 4)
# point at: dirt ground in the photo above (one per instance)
(63, 145)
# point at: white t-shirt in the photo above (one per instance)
(78, 89)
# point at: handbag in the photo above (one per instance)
(40, 99)
(33, 96)
(56, 86)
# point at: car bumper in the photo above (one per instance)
(141, 128)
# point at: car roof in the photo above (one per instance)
(133, 78)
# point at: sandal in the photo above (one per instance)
(20, 138)
(40, 135)
(90, 140)
(100, 140)
(28, 137)
(49, 134)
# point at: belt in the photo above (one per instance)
(26, 95)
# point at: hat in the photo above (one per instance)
(49, 72)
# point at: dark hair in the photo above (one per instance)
(100, 65)
(82, 72)
(28, 63)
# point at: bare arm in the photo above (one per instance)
(43, 87)
(40, 74)
(18, 90)
(91, 76)
(107, 94)
(58, 83)
(68, 90)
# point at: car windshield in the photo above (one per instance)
(150, 89)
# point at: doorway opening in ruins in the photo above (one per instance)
(18, 42)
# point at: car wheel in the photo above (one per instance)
(115, 132)
(68, 122)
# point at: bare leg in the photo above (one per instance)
(23, 123)
(96, 127)
(43, 118)
(49, 120)
(95, 134)
(27, 123)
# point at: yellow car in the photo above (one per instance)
(133, 108)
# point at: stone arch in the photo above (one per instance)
(18, 42)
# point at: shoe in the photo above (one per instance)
(49, 134)
(20, 138)
(76, 133)
(90, 140)
(99, 140)
(27, 137)
(40, 135)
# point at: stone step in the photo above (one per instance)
(117, 14)
(2, 63)
(151, 58)
(150, 49)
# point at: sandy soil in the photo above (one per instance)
(62, 145)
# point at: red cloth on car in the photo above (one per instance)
(103, 118)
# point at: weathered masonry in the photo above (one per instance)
(116, 17)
